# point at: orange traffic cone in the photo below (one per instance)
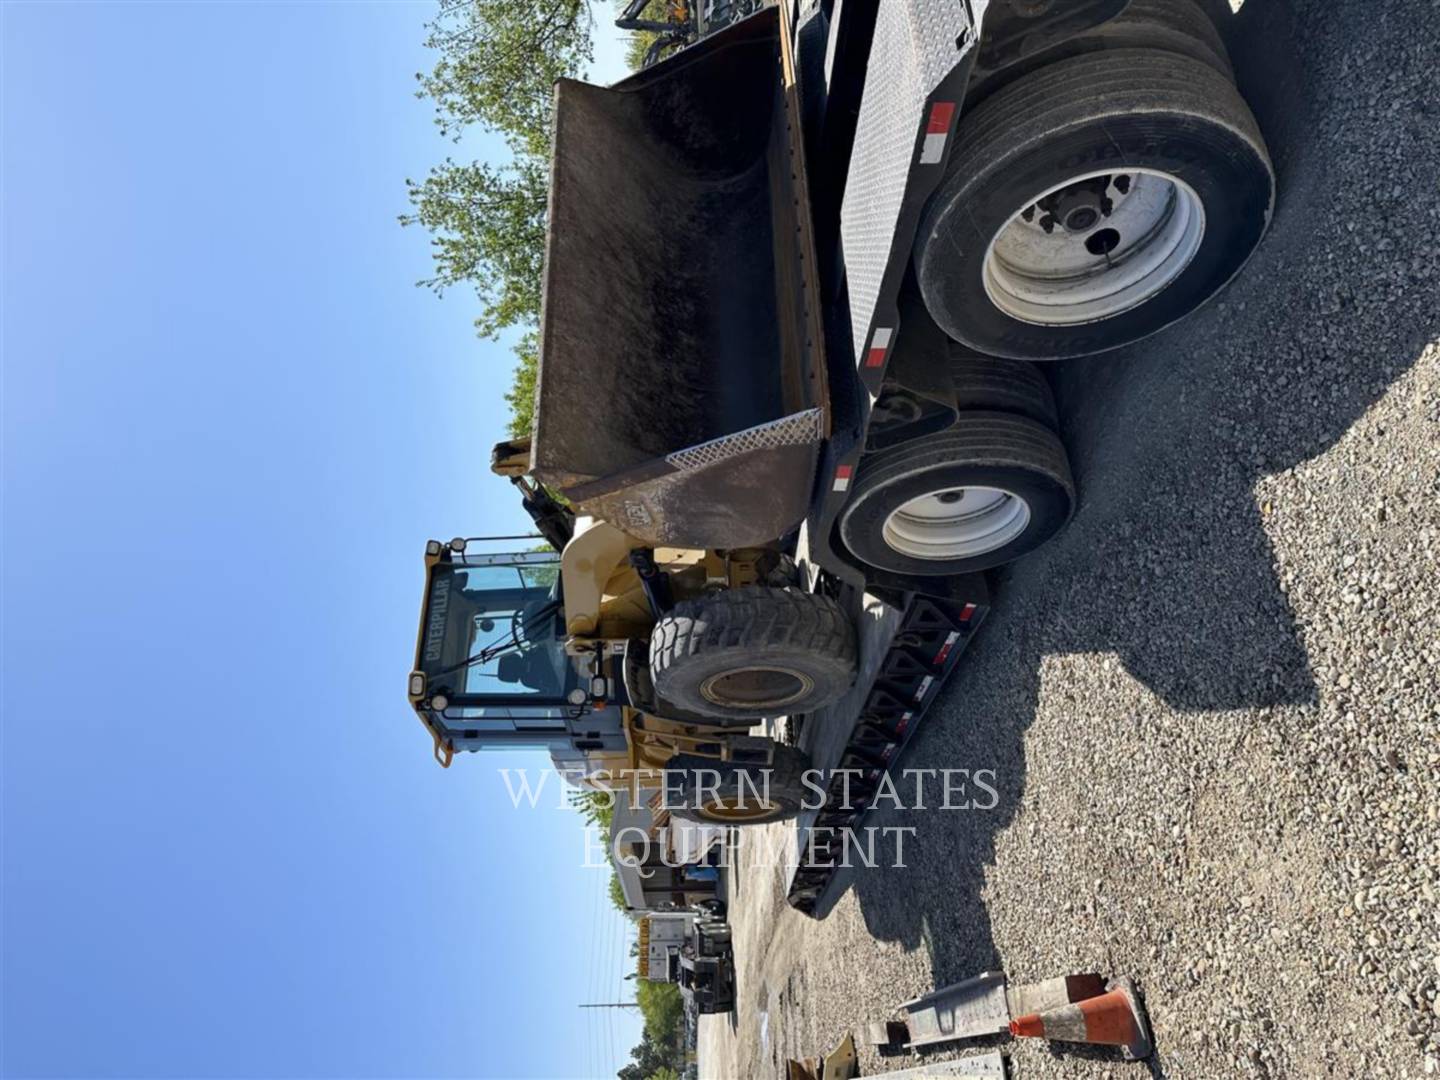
(1114, 1018)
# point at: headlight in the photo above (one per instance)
(432, 547)
(439, 702)
(417, 684)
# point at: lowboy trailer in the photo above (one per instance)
(798, 278)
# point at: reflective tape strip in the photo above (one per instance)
(925, 685)
(879, 346)
(950, 640)
(937, 130)
(967, 612)
(1066, 1023)
(842, 477)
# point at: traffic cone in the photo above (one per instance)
(1114, 1018)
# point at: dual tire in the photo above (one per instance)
(1101, 194)
(1104, 190)
(985, 492)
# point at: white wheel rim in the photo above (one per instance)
(956, 523)
(1093, 247)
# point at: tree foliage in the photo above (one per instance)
(598, 810)
(496, 66)
(498, 62)
(663, 1009)
(656, 1059)
(487, 226)
(495, 70)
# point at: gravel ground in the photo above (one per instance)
(1211, 705)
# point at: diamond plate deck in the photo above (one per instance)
(914, 50)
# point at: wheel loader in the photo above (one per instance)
(799, 277)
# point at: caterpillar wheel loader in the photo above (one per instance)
(797, 276)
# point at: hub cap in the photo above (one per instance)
(956, 523)
(1094, 247)
(756, 687)
(749, 808)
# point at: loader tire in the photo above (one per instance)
(751, 653)
(976, 496)
(730, 798)
(1092, 203)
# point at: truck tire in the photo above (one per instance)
(1176, 26)
(754, 652)
(909, 515)
(984, 384)
(732, 800)
(1092, 203)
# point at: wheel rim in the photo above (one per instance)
(756, 687)
(956, 523)
(1093, 247)
(741, 808)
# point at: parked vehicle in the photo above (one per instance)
(798, 279)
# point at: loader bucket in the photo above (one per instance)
(681, 392)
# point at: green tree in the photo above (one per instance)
(598, 810)
(663, 1009)
(654, 1060)
(497, 62)
(495, 70)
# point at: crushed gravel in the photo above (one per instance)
(1212, 704)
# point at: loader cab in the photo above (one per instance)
(490, 663)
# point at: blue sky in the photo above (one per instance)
(230, 424)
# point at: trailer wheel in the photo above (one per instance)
(1177, 26)
(984, 384)
(978, 495)
(743, 794)
(753, 652)
(1092, 203)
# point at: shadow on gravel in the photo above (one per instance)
(1168, 565)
